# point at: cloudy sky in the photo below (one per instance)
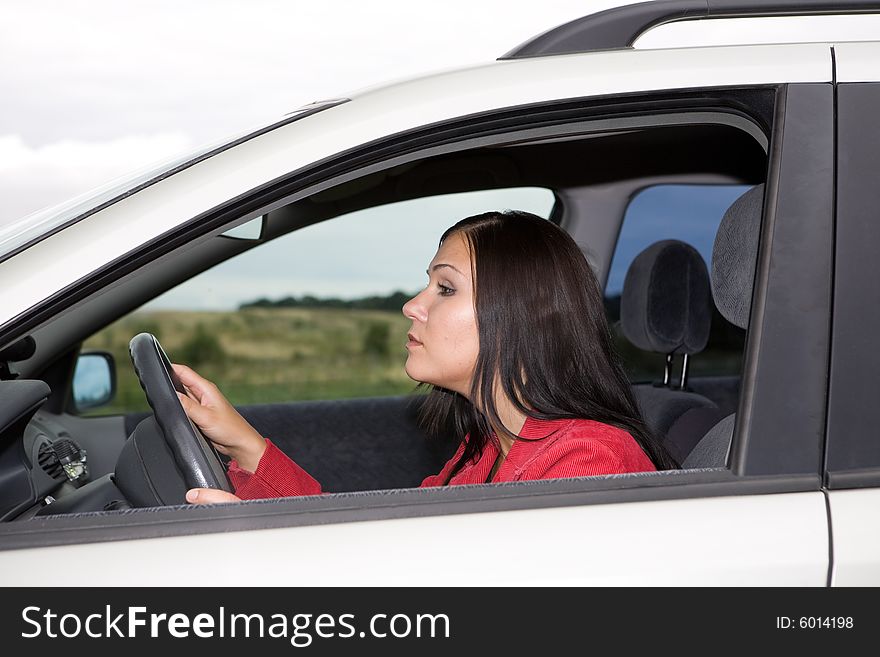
(94, 89)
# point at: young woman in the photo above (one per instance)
(510, 332)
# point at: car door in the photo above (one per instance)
(763, 520)
(853, 453)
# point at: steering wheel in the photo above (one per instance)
(196, 458)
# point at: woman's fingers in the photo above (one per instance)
(205, 419)
(192, 382)
(209, 496)
(196, 412)
(219, 421)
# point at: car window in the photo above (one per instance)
(692, 214)
(315, 314)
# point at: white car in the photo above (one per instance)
(759, 160)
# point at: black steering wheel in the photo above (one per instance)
(194, 455)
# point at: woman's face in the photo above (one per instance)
(443, 341)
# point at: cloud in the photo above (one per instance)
(103, 69)
(34, 177)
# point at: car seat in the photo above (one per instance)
(665, 308)
(734, 256)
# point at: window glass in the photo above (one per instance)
(315, 314)
(692, 214)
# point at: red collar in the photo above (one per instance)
(523, 449)
(534, 429)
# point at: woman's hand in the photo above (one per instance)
(209, 496)
(219, 421)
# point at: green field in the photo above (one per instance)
(262, 355)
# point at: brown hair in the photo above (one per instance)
(543, 337)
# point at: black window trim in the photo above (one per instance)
(853, 451)
(784, 382)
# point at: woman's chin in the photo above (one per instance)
(411, 372)
(417, 376)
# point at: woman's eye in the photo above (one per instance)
(445, 291)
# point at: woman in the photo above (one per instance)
(510, 332)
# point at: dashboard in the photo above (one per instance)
(39, 460)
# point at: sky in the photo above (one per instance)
(92, 90)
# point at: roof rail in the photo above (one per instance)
(621, 26)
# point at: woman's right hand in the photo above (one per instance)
(218, 420)
(210, 496)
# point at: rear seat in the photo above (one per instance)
(734, 258)
(666, 308)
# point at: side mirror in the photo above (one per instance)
(94, 380)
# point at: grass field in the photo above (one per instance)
(262, 355)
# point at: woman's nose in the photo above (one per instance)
(414, 309)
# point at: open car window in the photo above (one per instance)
(312, 315)
(298, 326)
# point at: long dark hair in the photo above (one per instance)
(543, 336)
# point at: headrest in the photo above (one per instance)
(734, 256)
(665, 305)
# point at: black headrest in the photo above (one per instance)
(734, 257)
(665, 305)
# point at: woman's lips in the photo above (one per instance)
(412, 342)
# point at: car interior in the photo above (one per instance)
(670, 298)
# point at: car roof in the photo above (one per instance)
(607, 72)
(614, 29)
(117, 227)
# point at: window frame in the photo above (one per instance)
(802, 109)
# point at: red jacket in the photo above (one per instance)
(545, 449)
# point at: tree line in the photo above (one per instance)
(392, 302)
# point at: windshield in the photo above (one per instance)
(21, 233)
